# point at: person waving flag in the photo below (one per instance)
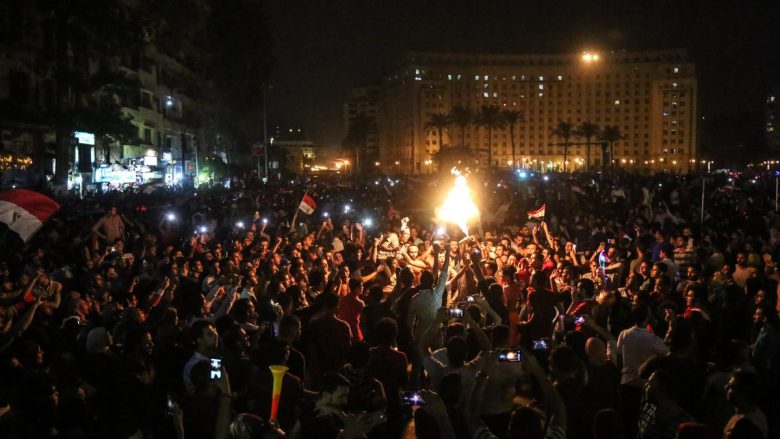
(538, 213)
(307, 204)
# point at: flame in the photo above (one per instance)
(458, 207)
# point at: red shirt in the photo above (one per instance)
(350, 307)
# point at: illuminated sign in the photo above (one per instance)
(85, 138)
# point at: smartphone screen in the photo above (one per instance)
(510, 356)
(454, 312)
(216, 368)
(170, 403)
(579, 320)
(541, 345)
(412, 399)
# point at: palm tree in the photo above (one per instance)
(438, 122)
(511, 118)
(461, 117)
(609, 135)
(564, 130)
(490, 117)
(588, 130)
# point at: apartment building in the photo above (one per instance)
(651, 96)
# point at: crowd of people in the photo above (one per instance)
(626, 311)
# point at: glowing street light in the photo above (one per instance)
(589, 57)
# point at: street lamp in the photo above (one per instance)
(590, 57)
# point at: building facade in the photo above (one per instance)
(650, 96)
(292, 151)
(363, 104)
(168, 117)
(167, 113)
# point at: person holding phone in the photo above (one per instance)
(424, 305)
(457, 348)
(207, 410)
(206, 345)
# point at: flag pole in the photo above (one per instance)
(297, 209)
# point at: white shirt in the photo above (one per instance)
(637, 345)
(194, 359)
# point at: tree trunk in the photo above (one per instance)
(63, 130)
(612, 154)
(63, 146)
(412, 171)
(512, 138)
(565, 154)
(106, 151)
(587, 154)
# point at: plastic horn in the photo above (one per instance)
(278, 372)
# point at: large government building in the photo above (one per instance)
(650, 96)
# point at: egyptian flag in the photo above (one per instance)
(307, 204)
(538, 213)
(25, 211)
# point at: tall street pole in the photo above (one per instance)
(703, 186)
(265, 134)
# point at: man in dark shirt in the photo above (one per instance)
(327, 338)
(290, 332)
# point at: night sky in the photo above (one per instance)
(323, 48)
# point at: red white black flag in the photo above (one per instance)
(307, 204)
(25, 211)
(538, 213)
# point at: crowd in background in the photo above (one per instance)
(619, 314)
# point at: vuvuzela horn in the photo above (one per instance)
(278, 372)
